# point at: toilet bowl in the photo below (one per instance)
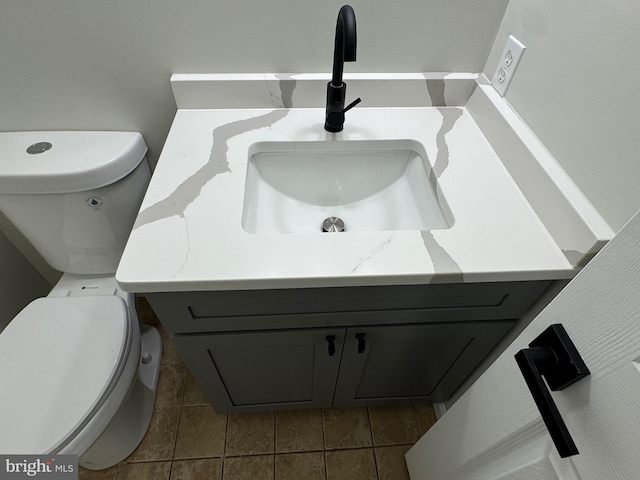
(78, 374)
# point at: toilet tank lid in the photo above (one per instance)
(67, 161)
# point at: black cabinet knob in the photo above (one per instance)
(362, 344)
(331, 340)
(554, 356)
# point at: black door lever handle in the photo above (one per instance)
(554, 356)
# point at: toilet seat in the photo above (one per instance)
(60, 358)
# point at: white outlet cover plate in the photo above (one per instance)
(507, 65)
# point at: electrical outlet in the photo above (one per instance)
(507, 65)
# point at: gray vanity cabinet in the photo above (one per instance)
(411, 363)
(310, 348)
(266, 370)
(373, 365)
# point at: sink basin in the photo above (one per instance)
(292, 187)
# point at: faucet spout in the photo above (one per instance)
(344, 51)
(345, 44)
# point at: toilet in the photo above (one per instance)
(78, 375)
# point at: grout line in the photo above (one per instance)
(209, 457)
(415, 415)
(324, 445)
(186, 373)
(170, 470)
(370, 427)
(173, 453)
(275, 431)
(224, 447)
(273, 455)
(375, 463)
(373, 446)
(324, 433)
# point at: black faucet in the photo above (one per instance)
(344, 51)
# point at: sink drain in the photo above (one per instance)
(333, 224)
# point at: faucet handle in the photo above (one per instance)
(351, 105)
(334, 113)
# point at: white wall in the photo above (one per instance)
(577, 88)
(95, 64)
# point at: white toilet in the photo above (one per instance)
(77, 374)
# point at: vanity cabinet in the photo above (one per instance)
(421, 363)
(309, 348)
(262, 370)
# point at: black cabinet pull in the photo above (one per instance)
(331, 339)
(553, 355)
(362, 344)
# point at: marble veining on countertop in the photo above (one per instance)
(188, 235)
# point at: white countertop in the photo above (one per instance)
(188, 235)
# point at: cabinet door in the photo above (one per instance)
(269, 370)
(412, 363)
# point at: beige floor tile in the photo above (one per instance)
(391, 464)
(299, 431)
(426, 417)
(193, 394)
(259, 467)
(300, 466)
(351, 464)
(393, 425)
(145, 471)
(346, 428)
(107, 474)
(202, 469)
(171, 385)
(250, 434)
(160, 438)
(201, 433)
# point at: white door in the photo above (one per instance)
(494, 431)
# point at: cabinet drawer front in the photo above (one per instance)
(264, 371)
(412, 363)
(183, 312)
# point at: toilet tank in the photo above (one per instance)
(74, 195)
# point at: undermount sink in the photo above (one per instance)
(292, 187)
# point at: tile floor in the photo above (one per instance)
(188, 440)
